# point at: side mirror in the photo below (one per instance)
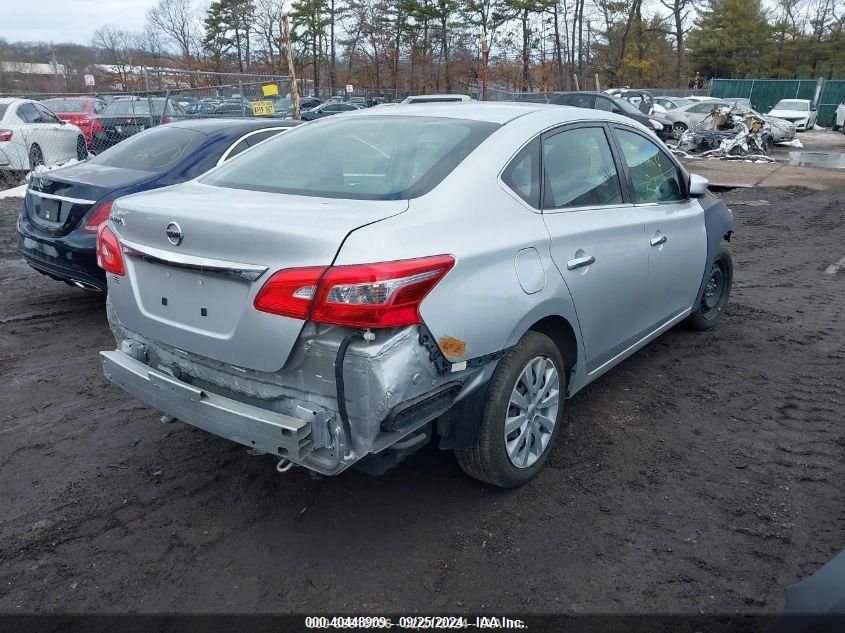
(698, 186)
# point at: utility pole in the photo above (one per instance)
(485, 53)
(294, 91)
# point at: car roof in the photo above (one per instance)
(499, 112)
(215, 125)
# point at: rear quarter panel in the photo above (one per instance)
(471, 216)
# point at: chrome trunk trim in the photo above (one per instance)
(249, 272)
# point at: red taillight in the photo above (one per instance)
(165, 119)
(96, 126)
(6, 135)
(96, 217)
(290, 292)
(108, 251)
(386, 294)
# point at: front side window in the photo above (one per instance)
(654, 176)
(578, 170)
(45, 116)
(364, 158)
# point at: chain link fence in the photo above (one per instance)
(42, 131)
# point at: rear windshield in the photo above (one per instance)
(154, 150)
(364, 158)
(789, 104)
(124, 107)
(626, 106)
(65, 105)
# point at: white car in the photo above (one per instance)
(32, 135)
(839, 117)
(801, 112)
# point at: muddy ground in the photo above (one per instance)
(701, 475)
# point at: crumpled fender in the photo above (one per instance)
(719, 224)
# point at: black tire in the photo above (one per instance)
(81, 148)
(715, 298)
(36, 157)
(488, 460)
(768, 143)
(678, 131)
(835, 127)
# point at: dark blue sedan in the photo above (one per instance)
(57, 228)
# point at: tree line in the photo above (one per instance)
(436, 45)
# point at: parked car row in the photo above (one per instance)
(317, 297)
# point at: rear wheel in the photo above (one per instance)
(81, 148)
(717, 292)
(522, 417)
(36, 157)
(678, 130)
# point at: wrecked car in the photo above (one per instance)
(348, 292)
(728, 131)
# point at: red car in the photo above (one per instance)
(82, 112)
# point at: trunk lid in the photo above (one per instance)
(58, 200)
(196, 293)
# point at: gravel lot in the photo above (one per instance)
(701, 475)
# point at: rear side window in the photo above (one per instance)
(3, 108)
(364, 158)
(654, 176)
(28, 113)
(578, 169)
(154, 150)
(522, 175)
(255, 139)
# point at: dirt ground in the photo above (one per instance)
(701, 475)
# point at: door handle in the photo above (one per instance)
(580, 262)
(657, 241)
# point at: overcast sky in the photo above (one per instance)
(69, 20)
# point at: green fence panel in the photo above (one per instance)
(833, 93)
(765, 93)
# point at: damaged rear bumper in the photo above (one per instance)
(394, 393)
(251, 426)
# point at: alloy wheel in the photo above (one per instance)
(532, 412)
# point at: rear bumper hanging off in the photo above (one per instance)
(271, 432)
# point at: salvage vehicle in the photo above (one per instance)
(329, 108)
(347, 291)
(729, 131)
(83, 112)
(688, 116)
(801, 112)
(600, 101)
(670, 103)
(127, 116)
(32, 135)
(63, 208)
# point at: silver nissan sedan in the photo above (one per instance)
(360, 286)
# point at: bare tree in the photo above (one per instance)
(177, 20)
(115, 46)
(679, 10)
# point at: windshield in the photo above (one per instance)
(155, 150)
(792, 104)
(65, 105)
(363, 158)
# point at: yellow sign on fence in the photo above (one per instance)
(270, 90)
(263, 108)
